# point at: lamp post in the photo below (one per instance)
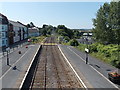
(7, 49)
(118, 57)
(86, 50)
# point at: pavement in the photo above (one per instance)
(13, 47)
(18, 63)
(94, 74)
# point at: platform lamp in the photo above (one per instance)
(7, 49)
(86, 49)
(119, 57)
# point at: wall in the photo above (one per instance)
(3, 35)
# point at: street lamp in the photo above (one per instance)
(7, 49)
(86, 49)
(118, 57)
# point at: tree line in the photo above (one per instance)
(60, 30)
(107, 24)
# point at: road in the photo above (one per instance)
(9, 74)
(94, 74)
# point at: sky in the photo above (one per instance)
(74, 15)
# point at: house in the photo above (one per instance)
(18, 32)
(25, 31)
(3, 31)
(33, 32)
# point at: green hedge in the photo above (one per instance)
(107, 53)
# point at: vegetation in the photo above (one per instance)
(37, 39)
(62, 31)
(107, 32)
(74, 42)
(67, 34)
(30, 25)
(107, 53)
(107, 24)
(47, 30)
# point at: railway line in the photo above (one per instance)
(51, 70)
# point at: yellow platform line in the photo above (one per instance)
(48, 43)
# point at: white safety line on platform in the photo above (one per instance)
(94, 69)
(73, 69)
(14, 64)
(28, 68)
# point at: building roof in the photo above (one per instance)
(3, 19)
(33, 30)
(18, 24)
(22, 24)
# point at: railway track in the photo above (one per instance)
(52, 71)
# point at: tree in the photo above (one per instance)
(64, 31)
(107, 23)
(44, 32)
(115, 20)
(61, 27)
(31, 24)
(28, 25)
(74, 42)
(76, 34)
(44, 26)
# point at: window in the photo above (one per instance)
(14, 33)
(3, 42)
(19, 32)
(0, 19)
(2, 27)
(3, 34)
(6, 34)
(0, 34)
(6, 42)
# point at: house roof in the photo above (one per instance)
(3, 19)
(22, 24)
(16, 23)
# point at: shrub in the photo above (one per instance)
(66, 38)
(93, 48)
(74, 42)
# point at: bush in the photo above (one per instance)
(107, 53)
(82, 47)
(93, 48)
(74, 42)
(37, 39)
(116, 63)
(66, 38)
